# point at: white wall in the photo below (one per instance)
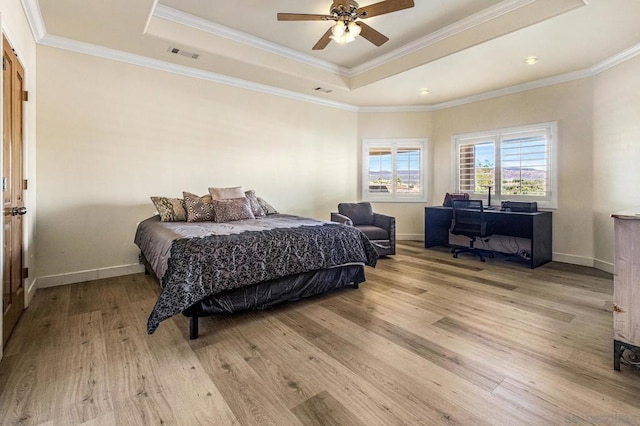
(569, 104)
(409, 216)
(112, 134)
(16, 28)
(616, 142)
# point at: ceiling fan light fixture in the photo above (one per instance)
(338, 29)
(345, 13)
(354, 29)
(343, 33)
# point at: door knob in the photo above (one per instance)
(18, 211)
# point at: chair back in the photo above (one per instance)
(468, 218)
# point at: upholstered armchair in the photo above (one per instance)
(379, 228)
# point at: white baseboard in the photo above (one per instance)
(604, 266)
(31, 291)
(584, 261)
(116, 271)
(573, 259)
(81, 276)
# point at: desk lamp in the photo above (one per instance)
(489, 207)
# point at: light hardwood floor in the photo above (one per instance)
(428, 339)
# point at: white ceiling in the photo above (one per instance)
(455, 48)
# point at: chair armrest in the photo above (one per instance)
(337, 217)
(383, 221)
(388, 223)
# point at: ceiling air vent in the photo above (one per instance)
(182, 52)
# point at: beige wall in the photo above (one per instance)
(113, 134)
(616, 147)
(376, 125)
(16, 28)
(569, 104)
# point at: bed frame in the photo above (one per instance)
(269, 293)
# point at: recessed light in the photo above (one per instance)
(531, 60)
(424, 91)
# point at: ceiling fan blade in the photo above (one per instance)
(303, 17)
(372, 35)
(383, 7)
(324, 41)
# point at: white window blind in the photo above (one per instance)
(516, 164)
(476, 165)
(525, 164)
(393, 170)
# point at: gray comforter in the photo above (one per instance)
(197, 260)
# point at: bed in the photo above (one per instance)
(208, 268)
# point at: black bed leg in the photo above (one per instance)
(356, 285)
(193, 328)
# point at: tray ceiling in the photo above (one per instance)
(454, 48)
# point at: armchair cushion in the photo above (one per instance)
(379, 228)
(373, 232)
(359, 213)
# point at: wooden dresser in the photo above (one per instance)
(626, 289)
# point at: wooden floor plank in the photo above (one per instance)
(324, 410)
(427, 339)
(400, 393)
(242, 389)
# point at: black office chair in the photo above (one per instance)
(468, 220)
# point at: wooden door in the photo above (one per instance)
(12, 189)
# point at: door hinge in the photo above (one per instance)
(4, 184)
(25, 96)
(25, 184)
(25, 273)
(4, 63)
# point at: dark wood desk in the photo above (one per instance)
(535, 227)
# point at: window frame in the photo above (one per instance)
(497, 136)
(393, 144)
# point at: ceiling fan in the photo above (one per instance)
(345, 13)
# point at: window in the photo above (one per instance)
(517, 164)
(393, 170)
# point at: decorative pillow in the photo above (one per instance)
(199, 209)
(170, 209)
(232, 209)
(359, 213)
(268, 208)
(257, 210)
(226, 193)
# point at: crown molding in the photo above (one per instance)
(550, 81)
(400, 108)
(36, 22)
(616, 59)
(183, 18)
(34, 17)
(143, 61)
(180, 17)
(596, 69)
(474, 20)
(537, 84)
